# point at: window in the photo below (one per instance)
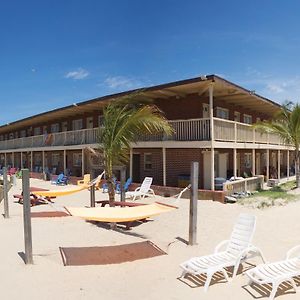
(222, 113)
(148, 161)
(77, 124)
(77, 159)
(100, 121)
(55, 159)
(37, 131)
(89, 122)
(64, 126)
(11, 136)
(247, 160)
(247, 119)
(54, 127)
(237, 116)
(23, 133)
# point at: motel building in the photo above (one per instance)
(212, 119)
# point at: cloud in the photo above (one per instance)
(122, 82)
(77, 74)
(275, 88)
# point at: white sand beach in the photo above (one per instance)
(154, 278)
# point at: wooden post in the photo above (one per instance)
(27, 217)
(253, 162)
(268, 165)
(13, 159)
(82, 165)
(21, 160)
(234, 163)
(212, 169)
(164, 166)
(130, 162)
(278, 165)
(288, 165)
(193, 204)
(122, 183)
(65, 162)
(5, 159)
(43, 159)
(5, 193)
(92, 195)
(31, 161)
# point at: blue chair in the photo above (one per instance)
(126, 186)
(61, 179)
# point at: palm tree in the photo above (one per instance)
(123, 124)
(286, 124)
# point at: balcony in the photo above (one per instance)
(185, 130)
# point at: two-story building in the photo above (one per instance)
(212, 119)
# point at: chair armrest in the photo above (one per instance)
(151, 191)
(221, 245)
(137, 189)
(292, 252)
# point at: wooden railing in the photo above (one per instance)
(243, 185)
(184, 130)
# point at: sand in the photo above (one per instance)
(277, 230)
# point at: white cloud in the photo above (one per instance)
(77, 74)
(275, 88)
(121, 82)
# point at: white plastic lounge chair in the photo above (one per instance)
(142, 191)
(277, 272)
(237, 250)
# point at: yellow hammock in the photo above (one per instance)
(119, 214)
(62, 192)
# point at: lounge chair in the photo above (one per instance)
(277, 272)
(236, 251)
(86, 179)
(60, 180)
(126, 186)
(142, 191)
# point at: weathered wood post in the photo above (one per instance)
(27, 217)
(5, 193)
(123, 179)
(92, 195)
(193, 204)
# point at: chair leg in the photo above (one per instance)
(207, 282)
(225, 274)
(274, 290)
(236, 268)
(292, 281)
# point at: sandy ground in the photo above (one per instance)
(154, 278)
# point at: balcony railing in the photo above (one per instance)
(184, 130)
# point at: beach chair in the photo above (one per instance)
(86, 179)
(277, 272)
(60, 180)
(126, 186)
(142, 191)
(237, 250)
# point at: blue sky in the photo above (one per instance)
(54, 53)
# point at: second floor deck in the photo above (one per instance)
(189, 130)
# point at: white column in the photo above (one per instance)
(278, 164)
(253, 162)
(31, 161)
(288, 164)
(268, 165)
(22, 160)
(65, 162)
(234, 163)
(130, 162)
(5, 159)
(211, 117)
(82, 165)
(43, 160)
(13, 159)
(164, 167)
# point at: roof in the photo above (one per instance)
(223, 89)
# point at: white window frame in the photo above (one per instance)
(77, 124)
(221, 112)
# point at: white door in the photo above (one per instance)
(223, 163)
(206, 170)
(205, 113)
(89, 122)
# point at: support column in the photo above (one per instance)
(164, 167)
(31, 161)
(13, 159)
(268, 165)
(130, 162)
(21, 160)
(288, 165)
(211, 118)
(234, 163)
(65, 162)
(278, 164)
(82, 164)
(43, 160)
(5, 159)
(253, 162)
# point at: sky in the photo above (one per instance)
(55, 53)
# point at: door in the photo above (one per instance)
(205, 112)
(223, 163)
(136, 164)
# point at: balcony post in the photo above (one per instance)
(278, 165)
(288, 165)
(82, 164)
(235, 132)
(43, 160)
(253, 162)
(234, 163)
(21, 160)
(164, 166)
(65, 162)
(130, 162)
(268, 165)
(31, 161)
(211, 117)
